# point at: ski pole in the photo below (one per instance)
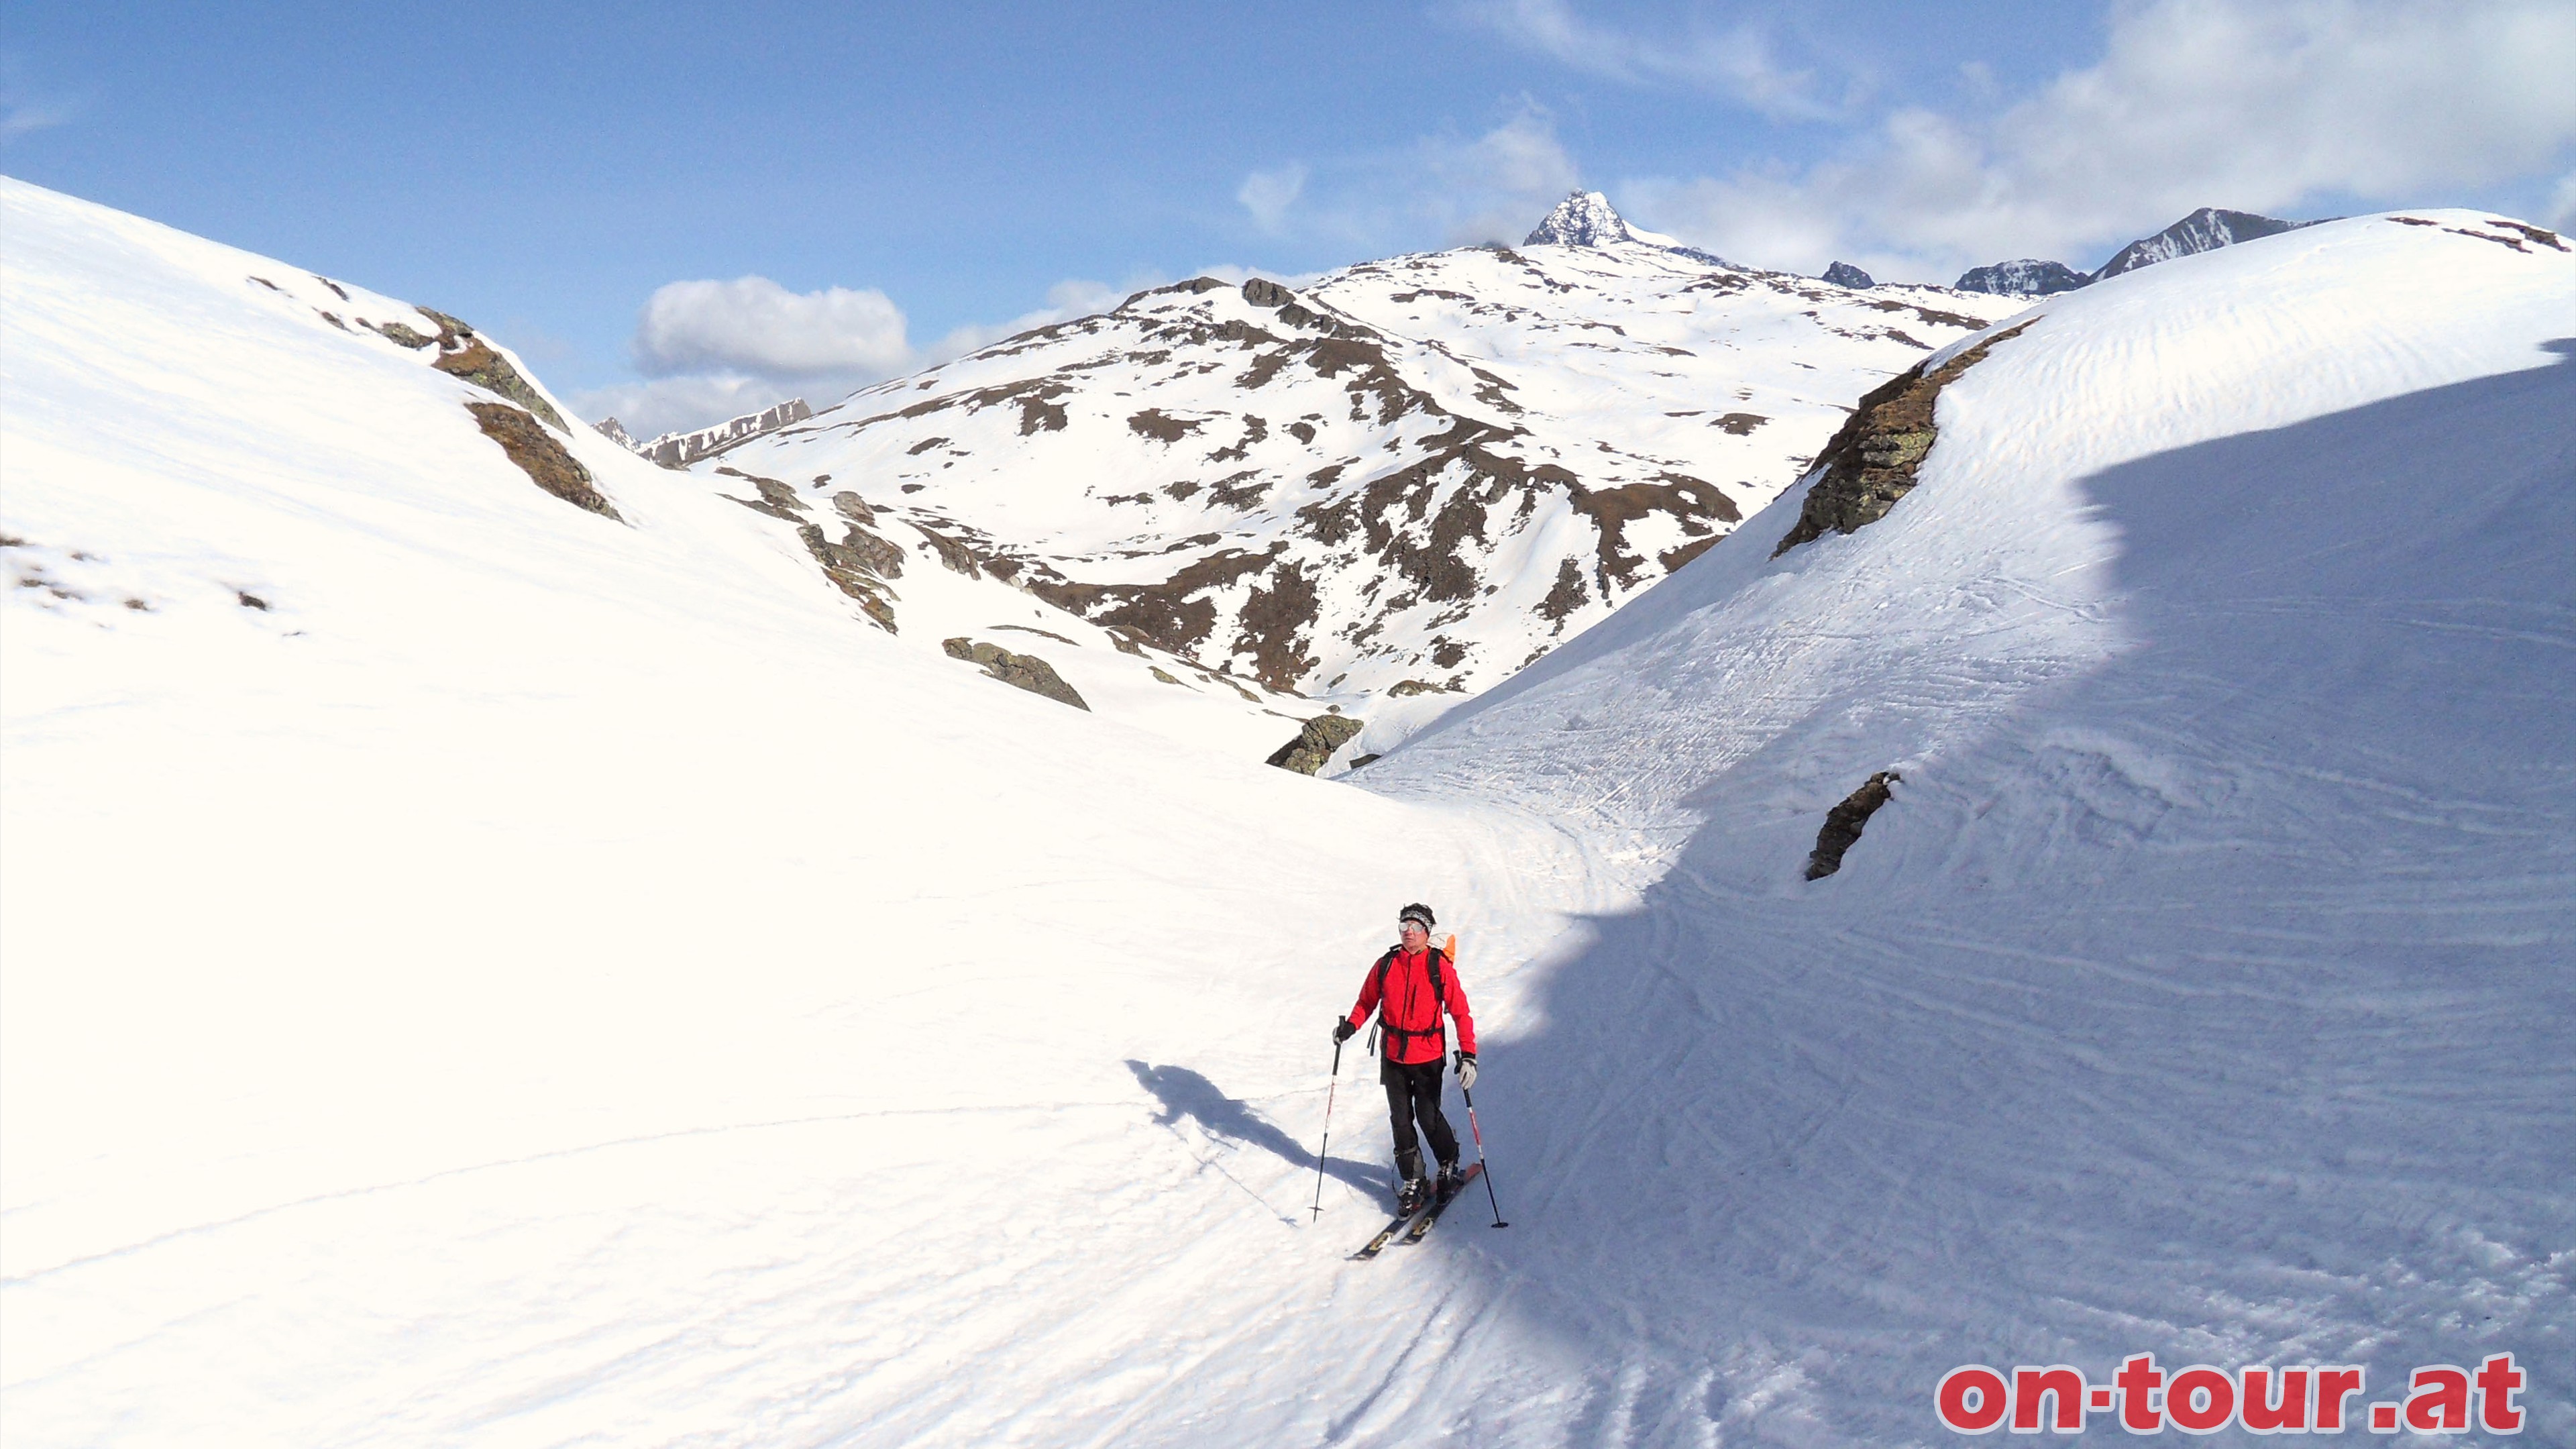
(1329, 1093)
(1484, 1170)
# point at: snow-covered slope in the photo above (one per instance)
(477, 969)
(2204, 988)
(1389, 489)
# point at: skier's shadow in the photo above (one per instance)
(1184, 1093)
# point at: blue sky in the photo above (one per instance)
(844, 192)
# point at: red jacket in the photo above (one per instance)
(1411, 1013)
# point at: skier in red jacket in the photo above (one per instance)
(1408, 988)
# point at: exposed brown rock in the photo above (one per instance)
(1673, 558)
(1872, 460)
(1567, 596)
(1613, 509)
(1020, 671)
(1315, 743)
(850, 565)
(1843, 824)
(1165, 614)
(540, 456)
(1277, 623)
(957, 557)
(490, 371)
(1155, 423)
(776, 499)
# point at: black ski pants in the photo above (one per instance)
(1413, 1090)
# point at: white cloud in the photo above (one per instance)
(1269, 194)
(1496, 187)
(2256, 104)
(1736, 62)
(754, 325)
(715, 350)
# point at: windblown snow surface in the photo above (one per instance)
(543, 979)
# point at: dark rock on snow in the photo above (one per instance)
(1843, 824)
(1844, 274)
(1020, 671)
(1871, 462)
(540, 456)
(1315, 743)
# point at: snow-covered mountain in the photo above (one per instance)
(480, 968)
(1587, 219)
(679, 450)
(1391, 488)
(2028, 277)
(2205, 230)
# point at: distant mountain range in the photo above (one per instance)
(2204, 230)
(679, 450)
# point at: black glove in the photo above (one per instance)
(1466, 1071)
(1343, 1030)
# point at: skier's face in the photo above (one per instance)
(1415, 938)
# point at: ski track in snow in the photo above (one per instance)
(722, 1025)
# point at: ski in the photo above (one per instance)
(1385, 1236)
(1440, 1203)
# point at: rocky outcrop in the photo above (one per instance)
(540, 456)
(1315, 743)
(468, 358)
(615, 432)
(1843, 824)
(858, 564)
(1871, 462)
(1844, 274)
(1020, 671)
(2028, 277)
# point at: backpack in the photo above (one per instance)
(1439, 996)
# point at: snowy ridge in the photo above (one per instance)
(2205, 230)
(679, 450)
(1394, 487)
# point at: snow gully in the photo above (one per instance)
(2200, 1399)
